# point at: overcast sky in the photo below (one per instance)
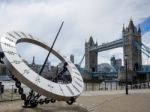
(102, 19)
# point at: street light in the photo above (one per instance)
(126, 57)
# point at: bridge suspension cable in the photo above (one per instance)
(81, 60)
(143, 48)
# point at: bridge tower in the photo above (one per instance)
(90, 56)
(130, 34)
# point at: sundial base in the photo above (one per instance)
(28, 106)
(32, 100)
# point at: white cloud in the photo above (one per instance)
(146, 38)
(102, 19)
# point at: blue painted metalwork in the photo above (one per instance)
(108, 46)
(145, 69)
(119, 43)
(143, 48)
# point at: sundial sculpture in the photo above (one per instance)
(39, 86)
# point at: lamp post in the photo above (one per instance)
(125, 57)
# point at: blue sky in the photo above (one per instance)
(145, 25)
(103, 19)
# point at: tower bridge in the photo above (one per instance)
(132, 48)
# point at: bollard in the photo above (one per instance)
(2, 89)
(15, 90)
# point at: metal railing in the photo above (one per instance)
(9, 92)
(114, 85)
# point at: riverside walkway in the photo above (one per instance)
(92, 101)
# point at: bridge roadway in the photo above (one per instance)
(108, 46)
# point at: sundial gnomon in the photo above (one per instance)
(22, 73)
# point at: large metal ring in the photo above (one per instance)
(33, 80)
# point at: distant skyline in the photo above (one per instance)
(101, 19)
